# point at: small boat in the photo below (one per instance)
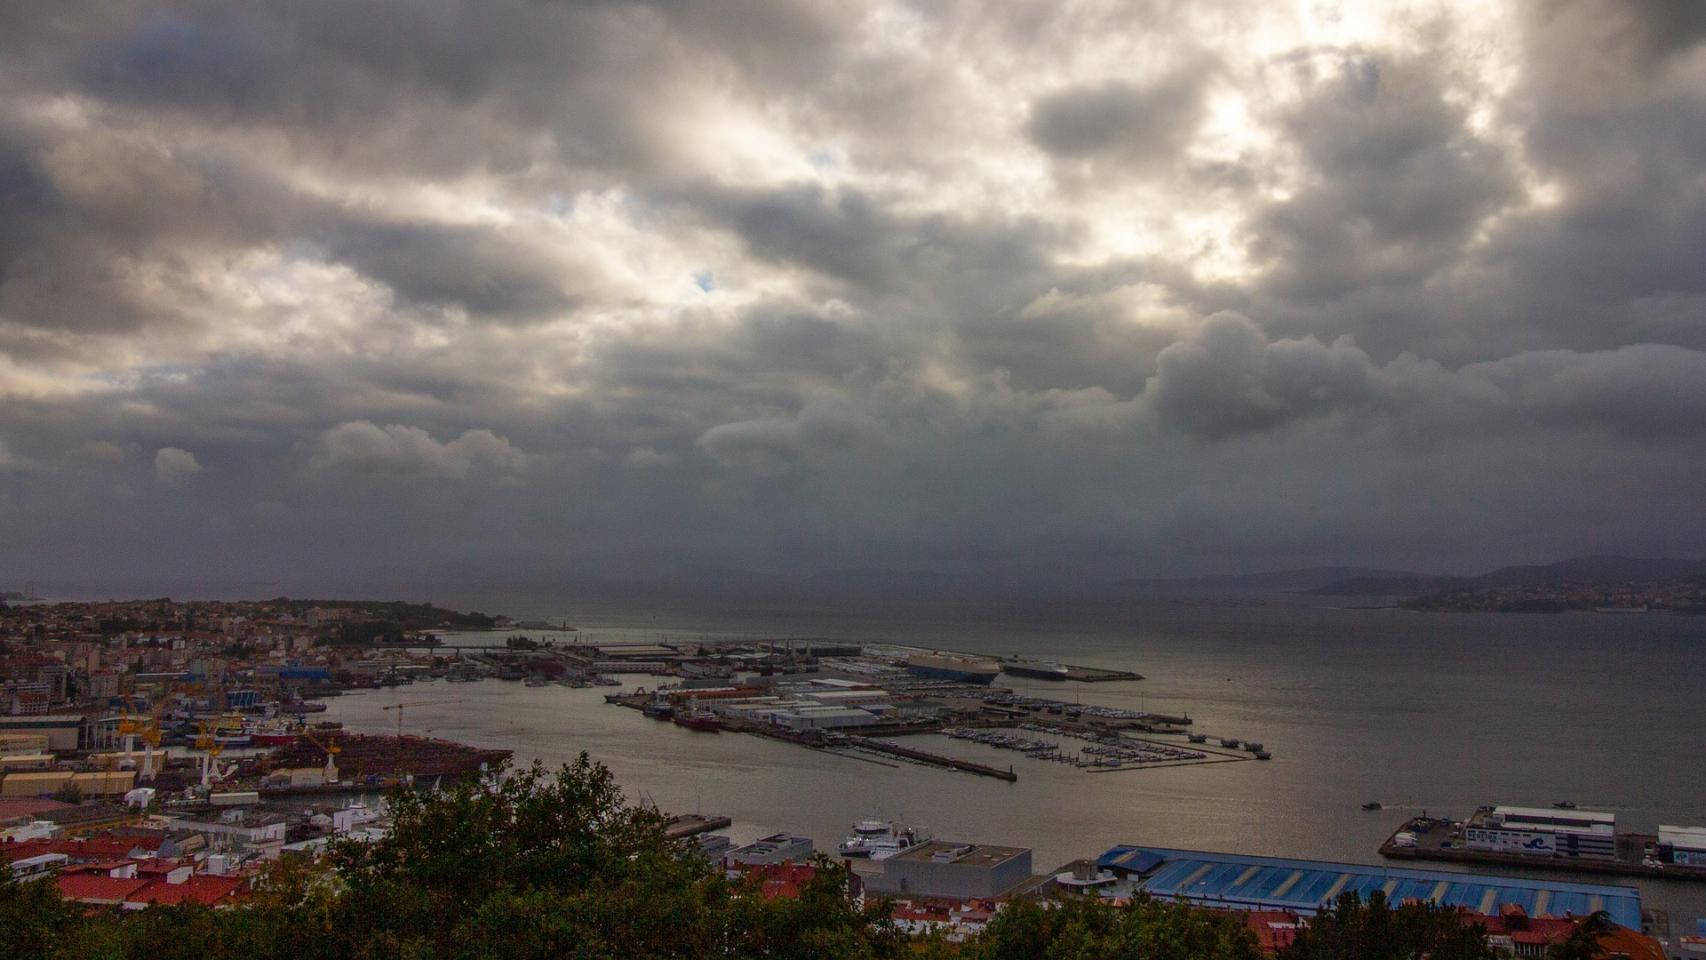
(1229, 742)
(658, 710)
(1564, 804)
(1371, 805)
(1263, 755)
(1197, 738)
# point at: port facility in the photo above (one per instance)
(1565, 839)
(1303, 887)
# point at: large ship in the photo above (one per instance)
(1040, 669)
(945, 666)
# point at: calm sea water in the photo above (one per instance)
(1435, 712)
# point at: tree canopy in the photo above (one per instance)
(559, 865)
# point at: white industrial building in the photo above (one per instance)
(1683, 845)
(1544, 832)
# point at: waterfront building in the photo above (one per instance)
(1239, 882)
(953, 871)
(1682, 845)
(772, 849)
(1543, 832)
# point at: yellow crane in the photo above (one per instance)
(332, 750)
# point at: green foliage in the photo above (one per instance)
(32, 914)
(353, 632)
(541, 866)
(546, 866)
(1145, 929)
(1354, 930)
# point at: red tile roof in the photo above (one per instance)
(1274, 929)
(13, 809)
(21, 849)
(98, 888)
(202, 888)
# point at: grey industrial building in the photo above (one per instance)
(954, 871)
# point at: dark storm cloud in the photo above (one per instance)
(1395, 187)
(664, 288)
(1124, 124)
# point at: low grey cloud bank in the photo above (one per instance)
(642, 291)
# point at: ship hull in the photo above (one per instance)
(1037, 672)
(958, 676)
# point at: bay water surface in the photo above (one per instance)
(1439, 712)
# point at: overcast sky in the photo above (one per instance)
(322, 290)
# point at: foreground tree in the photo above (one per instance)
(1353, 929)
(1082, 929)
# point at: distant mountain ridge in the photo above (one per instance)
(1366, 582)
(1304, 580)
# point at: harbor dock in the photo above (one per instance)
(935, 760)
(693, 824)
(1444, 840)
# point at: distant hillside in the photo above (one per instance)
(1592, 570)
(1307, 580)
(1366, 582)
(1383, 586)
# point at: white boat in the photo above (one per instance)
(878, 840)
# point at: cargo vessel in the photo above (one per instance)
(1039, 669)
(703, 722)
(943, 666)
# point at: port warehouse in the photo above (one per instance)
(818, 704)
(1683, 845)
(955, 871)
(1235, 881)
(1541, 831)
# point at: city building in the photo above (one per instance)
(1682, 845)
(953, 871)
(1239, 882)
(1543, 832)
(772, 849)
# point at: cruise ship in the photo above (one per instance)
(944, 666)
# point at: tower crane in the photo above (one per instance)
(397, 764)
(417, 703)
